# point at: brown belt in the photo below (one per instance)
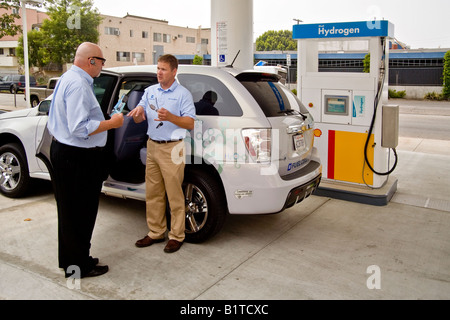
(166, 142)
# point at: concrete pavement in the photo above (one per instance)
(322, 248)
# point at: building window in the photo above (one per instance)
(157, 37)
(123, 56)
(166, 38)
(131, 34)
(145, 34)
(190, 39)
(112, 31)
(205, 41)
(139, 56)
(1, 52)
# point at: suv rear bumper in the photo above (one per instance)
(250, 192)
(300, 193)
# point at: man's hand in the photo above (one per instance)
(138, 114)
(182, 122)
(164, 115)
(116, 120)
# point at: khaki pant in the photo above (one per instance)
(164, 176)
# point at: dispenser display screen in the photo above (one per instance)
(337, 105)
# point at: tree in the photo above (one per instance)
(38, 55)
(70, 23)
(197, 60)
(8, 25)
(446, 76)
(366, 63)
(276, 40)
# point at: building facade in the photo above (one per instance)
(124, 40)
(138, 40)
(8, 45)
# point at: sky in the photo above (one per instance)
(418, 23)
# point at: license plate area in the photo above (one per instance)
(299, 142)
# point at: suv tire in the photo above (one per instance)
(14, 175)
(34, 101)
(206, 206)
(13, 89)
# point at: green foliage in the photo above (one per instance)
(446, 75)
(367, 63)
(63, 38)
(397, 94)
(276, 40)
(435, 96)
(197, 60)
(37, 52)
(294, 91)
(70, 23)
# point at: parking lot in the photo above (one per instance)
(322, 248)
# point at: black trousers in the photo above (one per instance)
(78, 175)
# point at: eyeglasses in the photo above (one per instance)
(103, 60)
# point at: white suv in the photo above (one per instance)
(251, 151)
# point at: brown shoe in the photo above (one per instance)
(172, 246)
(147, 242)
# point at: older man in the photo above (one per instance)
(79, 129)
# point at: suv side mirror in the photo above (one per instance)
(44, 107)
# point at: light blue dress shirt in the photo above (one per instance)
(177, 100)
(75, 112)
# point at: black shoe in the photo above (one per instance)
(97, 271)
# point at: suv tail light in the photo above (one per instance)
(259, 144)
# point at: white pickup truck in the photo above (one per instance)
(38, 94)
(251, 152)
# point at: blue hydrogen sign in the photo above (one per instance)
(344, 30)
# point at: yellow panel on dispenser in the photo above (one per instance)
(349, 157)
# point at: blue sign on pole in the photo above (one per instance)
(375, 28)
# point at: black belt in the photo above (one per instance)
(91, 149)
(166, 141)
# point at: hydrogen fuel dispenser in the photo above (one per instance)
(356, 130)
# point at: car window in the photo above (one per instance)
(134, 89)
(103, 89)
(52, 84)
(273, 98)
(211, 96)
